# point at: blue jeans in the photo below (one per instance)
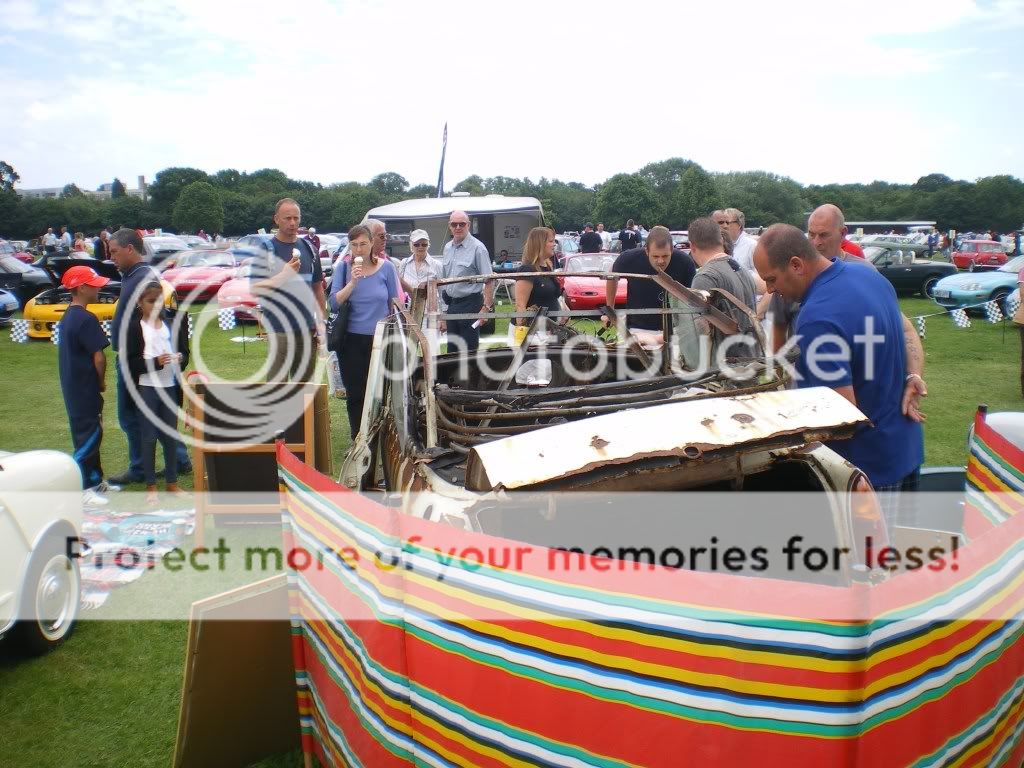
(155, 430)
(128, 417)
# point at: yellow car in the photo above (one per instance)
(45, 310)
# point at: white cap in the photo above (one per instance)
(418, 234)
(312, 230)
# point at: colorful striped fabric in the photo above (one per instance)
(417, 644)
(995, 479)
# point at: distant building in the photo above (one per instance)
(102, 193)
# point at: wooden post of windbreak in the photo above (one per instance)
(199, 473)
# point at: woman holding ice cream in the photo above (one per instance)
(368, 285)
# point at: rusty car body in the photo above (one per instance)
(453, 437)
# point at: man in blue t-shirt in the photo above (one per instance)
(290, 287)
(851, 338)
(82, 367)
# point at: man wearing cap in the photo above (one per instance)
(82, 367)
(590, 241)
(465, 256)
(126, 249)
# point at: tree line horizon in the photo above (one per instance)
(671, 192)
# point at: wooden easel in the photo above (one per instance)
(204, 505)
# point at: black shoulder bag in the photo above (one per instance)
(338, 330)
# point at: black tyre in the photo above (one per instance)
(1000, 297)
(929, 285)
(50, 600)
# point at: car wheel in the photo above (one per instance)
(929, 285)
(50, 601)
(1000, 298)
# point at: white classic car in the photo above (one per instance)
(40, 520)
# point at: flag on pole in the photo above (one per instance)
(1012, 304)
(440, 173)
(19, 331)
(993, 312)
(226, 318)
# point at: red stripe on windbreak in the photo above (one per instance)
(1006, 450)
(575, 634)
(605, 728)
(975, 522)
(336, 708)
(927, 728)
(368, 691)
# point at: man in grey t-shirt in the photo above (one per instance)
(715, 269)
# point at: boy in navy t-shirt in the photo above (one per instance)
(83, 366)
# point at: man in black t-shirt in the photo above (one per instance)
(590, 241)
(628, 237)
(657, 254)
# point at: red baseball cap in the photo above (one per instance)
(82, 275)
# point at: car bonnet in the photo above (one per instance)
(701, 429)
(57, 267)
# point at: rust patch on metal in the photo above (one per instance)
(598, 443)
(707, 422)
(743, 418)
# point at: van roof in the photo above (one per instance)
(442, 207)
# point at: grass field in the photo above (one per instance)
(110, 696)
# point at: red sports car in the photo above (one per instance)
(979, 253)
(199, 274)
(235, 294)
(9, 248)
(584, 292)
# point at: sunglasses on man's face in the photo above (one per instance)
(421, 245)
(458, 224)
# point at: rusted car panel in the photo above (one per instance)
(694, 431)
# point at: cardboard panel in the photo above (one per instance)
(238, 703)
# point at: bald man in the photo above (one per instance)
(826, 227)
(851, 336)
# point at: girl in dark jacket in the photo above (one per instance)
(156, 353)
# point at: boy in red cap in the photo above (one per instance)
(83, 368)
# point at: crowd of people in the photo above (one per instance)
(810, 287)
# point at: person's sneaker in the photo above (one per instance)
(106, 487)
(92, 500)
(124, 478)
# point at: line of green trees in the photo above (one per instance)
(670, 192)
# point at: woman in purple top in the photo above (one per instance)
(368, 285)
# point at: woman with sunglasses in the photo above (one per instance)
(368, 284)
(417, 270)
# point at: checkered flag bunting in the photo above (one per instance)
(105, 325)
(1013, 304)
(19, 331)
(226, 319)
(920, 326)
(960, 318)
(993, 312)
(189, 316)
(55, 336)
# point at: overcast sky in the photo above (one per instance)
(338, 91)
